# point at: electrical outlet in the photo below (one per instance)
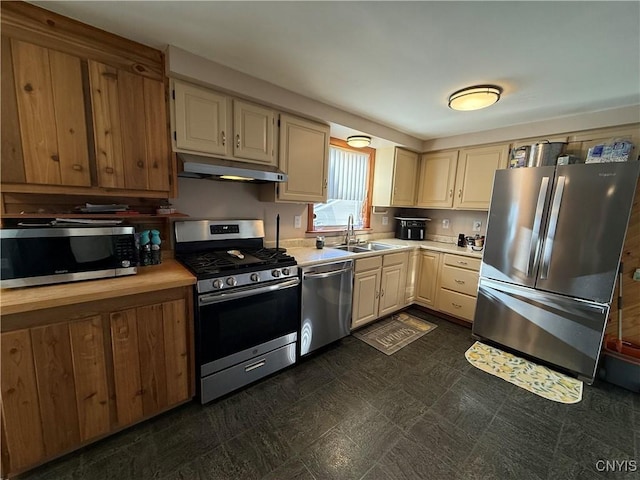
(476, 225)
(385, 220)
(446, 223)
(297, 221)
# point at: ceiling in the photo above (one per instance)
(396, 63)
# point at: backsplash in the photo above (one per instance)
(235, 200)
(460, 221)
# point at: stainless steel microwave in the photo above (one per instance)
(41, 256)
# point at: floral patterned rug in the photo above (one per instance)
(525, 374)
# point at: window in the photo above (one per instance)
(348, 189)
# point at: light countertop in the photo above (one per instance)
(306, 256)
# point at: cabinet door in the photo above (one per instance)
(413, 272)
(149, 345)
(253, 132)
(11, 157)
(428, 279)
(366, 296)
(437, 179)
(22, 428)
(50, 104)
(129, 129)
(202, 120)
(474, 177)
(390, 294)
(304, 157)
(405, 170)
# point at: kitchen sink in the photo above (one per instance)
(364, 247)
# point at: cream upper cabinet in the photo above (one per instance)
(202, 119)
(304, 157)
(428, 278)
(253, 132)
(437, 179)
(394, 180)
(474, 177)
(211, 123)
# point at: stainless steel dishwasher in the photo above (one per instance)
(326, 304)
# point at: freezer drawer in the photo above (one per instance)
(561, 331)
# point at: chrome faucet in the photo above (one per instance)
(351, 234)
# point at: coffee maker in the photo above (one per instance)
(411, 228)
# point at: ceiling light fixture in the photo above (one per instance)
(474, 98)
(358, 141)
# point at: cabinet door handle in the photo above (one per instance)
(108, 170)
(140, 164)
(238, 141)
(55, 158)
(450, 192)
(377, 294)
(382, 293)
(460, 193)
(325, 184)
(76, 167)
(456, 305)
(460, 282)
(224, 138)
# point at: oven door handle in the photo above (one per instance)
(223, 297)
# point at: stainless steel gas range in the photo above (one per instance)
(247, 300)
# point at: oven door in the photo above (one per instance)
(237, 325)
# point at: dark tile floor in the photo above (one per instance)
(352, 412)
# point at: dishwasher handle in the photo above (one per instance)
(326, 274)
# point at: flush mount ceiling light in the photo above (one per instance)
(358, 141)
(475, 98)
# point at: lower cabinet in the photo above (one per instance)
(379, 287)
(447, 283)
(458, 286)
(429, 264)
(66, 383)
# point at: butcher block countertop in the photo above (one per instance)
(169, 274)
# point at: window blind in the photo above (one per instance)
(347, 174)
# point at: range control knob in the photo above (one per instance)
(286, 271)
(125, 263)
(255, 277)
(232, 282)
(275, 273)
(217, 284)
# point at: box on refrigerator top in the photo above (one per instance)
(612, 152)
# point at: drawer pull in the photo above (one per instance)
(253, 366)
(76, 167)
(462, 263)
(459, 282)
(456, 305)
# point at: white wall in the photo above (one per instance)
(237, 200)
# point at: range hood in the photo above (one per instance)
(199, 166)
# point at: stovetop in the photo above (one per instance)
(232, 261)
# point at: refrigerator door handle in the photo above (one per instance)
(553, 224)
(537, 222)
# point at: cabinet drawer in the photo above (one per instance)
(395, 258)
(457, 304)
(459, 280)
(461, 261)
(368, 263)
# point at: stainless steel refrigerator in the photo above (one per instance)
(552, 250)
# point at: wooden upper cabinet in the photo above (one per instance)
(202, 119)
(129, 119)
(474, 177)
(394, 181)
(437, 179)
(304, 157)
(11, 157)
(253, 132)
(50, 106)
